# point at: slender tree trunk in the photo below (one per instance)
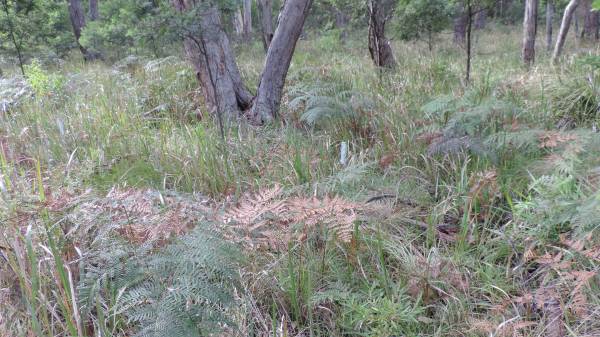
(564, 29)
(379, 46)
(11, 31)
(265, 10)
(590, 23)
(279, 57)
(460, 25)
(469, 31)
(549, 21)
(247, 11)
(238, 22)
(529, 31)
(210, 52)
(93, 14)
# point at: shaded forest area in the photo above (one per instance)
(299, 168)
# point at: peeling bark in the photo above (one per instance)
(379, 46)
(529, 31)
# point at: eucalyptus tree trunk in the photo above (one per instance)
(590, 22)
(564, 29)
(265, 10)
(549, 22)
(93, 14)
(247, 16)
(238, 22)
(210, 53)
(529, 31)
(380, 49)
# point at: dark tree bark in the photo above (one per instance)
(380, 49)
(564, 29)
(77, 16)
(11, 32)
(529, 31)
(549, 20)
(93, 14)
(265, 10)
(210, 52)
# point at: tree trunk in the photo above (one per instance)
(590, 23)
(379, 46)
(481, 19)
(265, 10)
(77, 17)
(529, 31)
(564, 29)
(11, 31)
(549, 20)
(460, 25)
(289, 27)
(469, 31)
(213, 59)
(93, 14)
(238, 22)
(247, 11)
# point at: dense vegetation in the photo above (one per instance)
(400, 199)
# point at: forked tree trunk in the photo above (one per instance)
(247, 11)
(210, 52)
(93, 14)
(265, 10)
(379, 46)
(564, 29)
(549, 23)
(529, 31)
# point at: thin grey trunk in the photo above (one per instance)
(93, 14)
(549, 21)
(469, 42)
(238, 22)
(564, 29)
(289, 27)
(380, 49)
(529, 31)
(247, 19)
(265, 10)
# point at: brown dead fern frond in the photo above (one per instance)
(267, 219)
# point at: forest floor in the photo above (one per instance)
(396, 203)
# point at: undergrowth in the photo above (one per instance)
(451, 211)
